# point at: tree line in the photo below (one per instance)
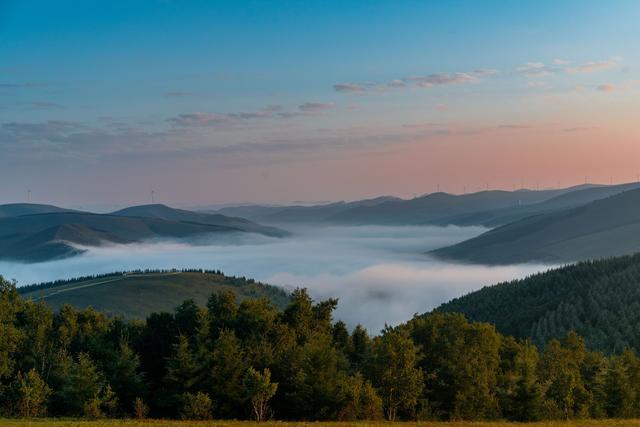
(251, 360)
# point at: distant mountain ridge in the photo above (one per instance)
(32, 236)
(581, 195)
(602, 228)
(18, 209)
(159, 211)
(485, 208)
(300, 213)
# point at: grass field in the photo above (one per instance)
(138, 295)
(171, 423)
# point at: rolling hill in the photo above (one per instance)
(138, 294)
(42, 237)
(158, 211)
(18, 209)
(437, 207)
(33, 233)
(299, 213)
(600, 300)
(602, 228)
(578, 197)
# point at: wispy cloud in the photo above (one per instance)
(356, 88)
(421, 81)
(199, 119)
(177, 94)
(316, 107)
(43, 105)
(537, 69)
(592, 67)
(439, 79)
(513, 126)
(577, 129)
(606, 87)
(204, 119)
(540, 69)
(49, 129)
(21, 85)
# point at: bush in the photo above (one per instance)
(140, 409)
(197, 406)
(359, 400)
(31, 395)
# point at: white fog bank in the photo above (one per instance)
(380, 274)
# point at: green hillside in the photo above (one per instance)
(603, 228)
(600, 300)
(136, 295)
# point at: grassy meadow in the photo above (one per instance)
(137, 295)
(172, 423)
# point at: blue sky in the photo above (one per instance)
(105, 100)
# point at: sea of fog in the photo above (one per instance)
(380, 274)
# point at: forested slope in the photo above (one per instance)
(599, 299)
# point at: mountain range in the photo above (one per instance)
(550, 226)
(484, 208)
(40, 232)
(602, 228)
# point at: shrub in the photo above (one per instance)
(140, 409)
(31, 395)
(197, 406)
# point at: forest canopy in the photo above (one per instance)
(251, 360)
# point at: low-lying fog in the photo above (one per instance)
(380, 274)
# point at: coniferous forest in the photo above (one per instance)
(598, 299)
(250, 360)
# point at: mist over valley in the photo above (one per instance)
(379, 273)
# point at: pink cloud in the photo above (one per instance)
(349, 88)
(592, 67)
(606, 87)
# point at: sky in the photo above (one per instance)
(212, 102)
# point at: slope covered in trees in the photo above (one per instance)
(138, 294)
(598, 299)
(250, 360)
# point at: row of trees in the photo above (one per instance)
(253, 361)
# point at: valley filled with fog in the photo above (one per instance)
(380, 274)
